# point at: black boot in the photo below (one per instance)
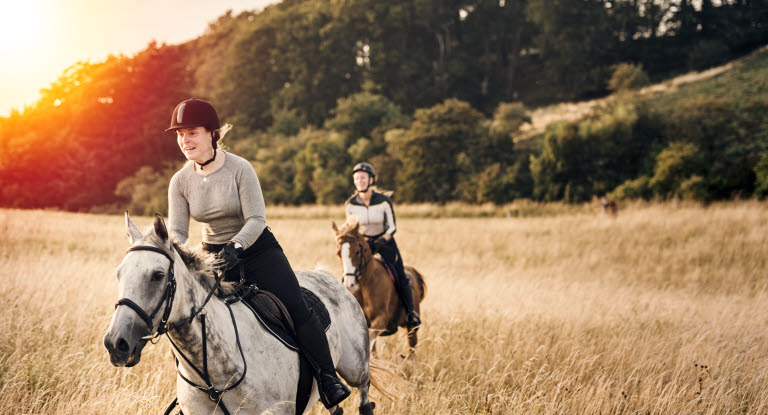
(314, 344)
(412, 319)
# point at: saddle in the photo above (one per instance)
(274, 317)
(272, 314)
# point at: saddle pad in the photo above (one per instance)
(272, 314)
(317, 307)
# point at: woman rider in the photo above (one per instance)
(377, 222)
(221, 191)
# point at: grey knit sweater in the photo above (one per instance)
(228, 203)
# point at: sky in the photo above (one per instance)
(39, 39)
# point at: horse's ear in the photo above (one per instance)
(356, 227)
(334, 227)
(160, 230)
(133, 232)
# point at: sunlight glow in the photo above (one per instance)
(23, 27)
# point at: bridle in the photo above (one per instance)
(167, 298)
(164, 328)
(360, 270)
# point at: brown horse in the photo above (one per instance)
(367, 279)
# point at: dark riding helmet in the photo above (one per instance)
(194, 113)
(366, 168)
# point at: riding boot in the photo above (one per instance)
(314, 344)
(412, 317)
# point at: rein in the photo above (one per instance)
(164, 328)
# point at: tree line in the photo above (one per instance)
(432, 92)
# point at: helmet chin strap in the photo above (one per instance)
(209, 161)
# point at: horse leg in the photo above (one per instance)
(413, 338)
(336, 410)
(366, 406)
(372, 335)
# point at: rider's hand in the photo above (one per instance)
(229, 256)
(379, 243)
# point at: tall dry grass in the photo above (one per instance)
(660, 311)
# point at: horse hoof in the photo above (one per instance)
(367, 409)
(338, 411)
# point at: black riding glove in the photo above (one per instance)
(228, 257)
(379, 243)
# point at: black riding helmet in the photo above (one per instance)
(194, 113)
(366, 168)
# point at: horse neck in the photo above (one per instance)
(190, 295)
(371, 263)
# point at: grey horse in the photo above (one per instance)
(164, 288)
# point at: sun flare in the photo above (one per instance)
(23, 28)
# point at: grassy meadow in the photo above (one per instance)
(662, 310)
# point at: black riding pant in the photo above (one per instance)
(266, 266)
(391, 254)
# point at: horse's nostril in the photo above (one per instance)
(122, 346)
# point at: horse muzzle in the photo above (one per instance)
(124, 339)
(350, 282)
(121, 352)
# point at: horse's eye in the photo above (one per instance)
(157, 275)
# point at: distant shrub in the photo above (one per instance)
(627, 76)
(639, 188)
(674, 165)
(725, 150)
(591, 157)
(694, 188)
(761, 177)
(146, 191)
(509, 117)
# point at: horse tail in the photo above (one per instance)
(420, 280)
(377, 370)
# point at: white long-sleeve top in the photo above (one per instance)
(377, 218)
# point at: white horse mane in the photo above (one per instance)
(199, 262)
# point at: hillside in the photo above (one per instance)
(432, 93)
(740, 79)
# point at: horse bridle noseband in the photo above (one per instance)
(164, 328)
(167, 298)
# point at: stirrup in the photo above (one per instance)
(332, 391)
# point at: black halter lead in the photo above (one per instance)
(164, 328)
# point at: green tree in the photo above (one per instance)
(146, 191)
(627, 76)
(434, 149)
(322, 168)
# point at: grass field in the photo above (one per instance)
(662, 310)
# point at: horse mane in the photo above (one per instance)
(199, 263)
(347, 227)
